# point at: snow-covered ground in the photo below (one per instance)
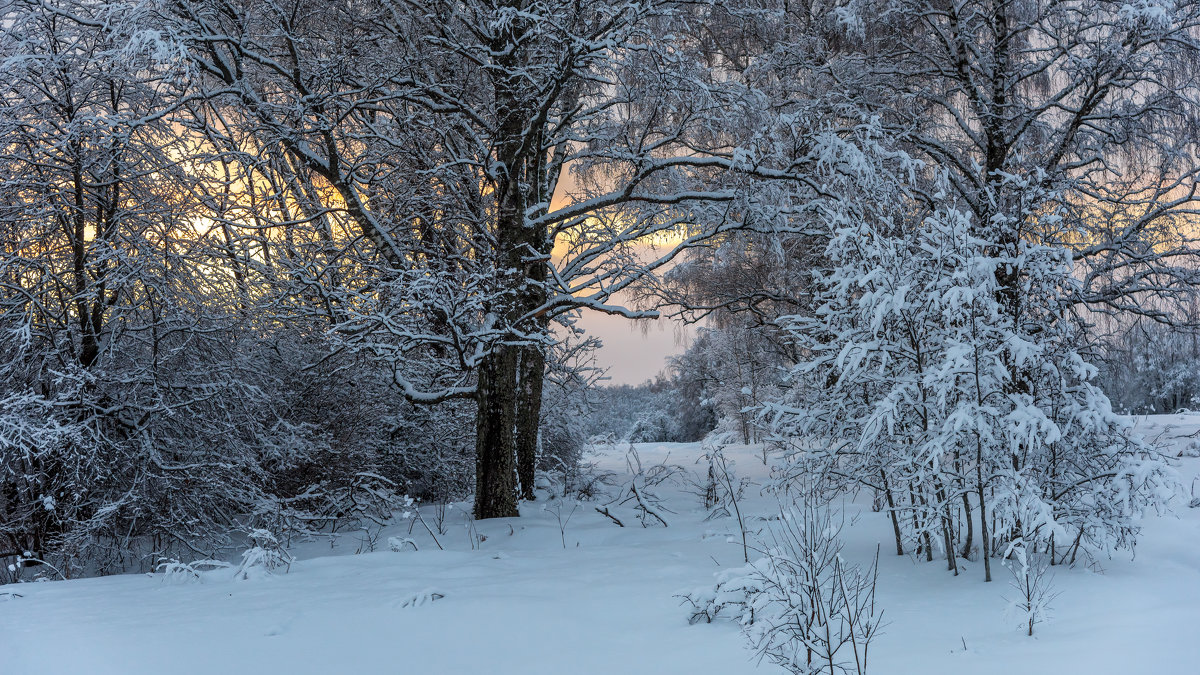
(522, 603)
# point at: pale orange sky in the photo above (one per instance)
(631, 353)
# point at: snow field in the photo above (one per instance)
(521, 603)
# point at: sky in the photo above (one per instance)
(635, 351)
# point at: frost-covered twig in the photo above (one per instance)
(639, 489)
(801, 605)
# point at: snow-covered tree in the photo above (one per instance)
(921, 384)
(1081, 110)
(1151, 366)
(165, 373)
(947, 363)
(468, 142)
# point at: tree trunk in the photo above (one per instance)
(891, 502)
(498, 378)
(529, 414)
(966, 549)
(920, 524)
(495, 466)
(983, 528)
(947, 530)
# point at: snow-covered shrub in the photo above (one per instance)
(732, 594)
(641, 490)
(651, 427)
(801, 605)
(722, 490)
(401, 544)
(1192, 449)
(583, 480)
(265, 555)
(176, 571)
(428, 451)
(561, 515)
(1033, 585)
(412, 513)
(369, 447)
(24, 560)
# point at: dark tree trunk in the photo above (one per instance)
(495, 470)
(947, 530)
(498, 379)
(891, 502)
(966, 549)
(529, 414)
